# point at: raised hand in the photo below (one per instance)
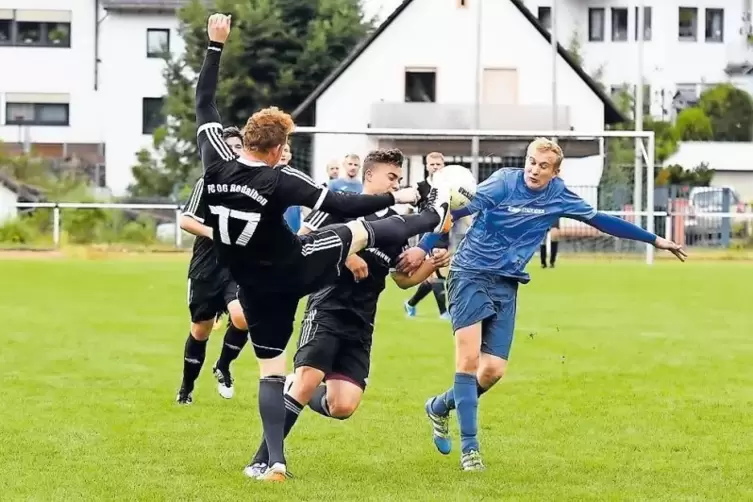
(218, 27)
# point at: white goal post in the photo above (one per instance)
(332, 142)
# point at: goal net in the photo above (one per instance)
(600, 167)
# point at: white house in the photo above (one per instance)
(84, 77)
(418, 71)
(730, 161)
(688, 44)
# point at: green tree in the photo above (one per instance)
(693, 125)
(730, 110)
(574, 47)
(278, 52)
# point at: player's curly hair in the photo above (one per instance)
(267, 129)
(383, 156)
(232, 132)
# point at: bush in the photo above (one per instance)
(17, 231)
(139, 231)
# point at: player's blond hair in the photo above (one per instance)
(435, 155)
(266, 129)
(547, 145)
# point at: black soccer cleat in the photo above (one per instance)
(185, 395)
(438, 200)
(424, 191)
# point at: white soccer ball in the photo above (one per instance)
(459, 181)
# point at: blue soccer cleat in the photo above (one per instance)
(410, 310)
(440, 429)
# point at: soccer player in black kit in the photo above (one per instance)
(336, 334)
(211, 292)
(275, 268)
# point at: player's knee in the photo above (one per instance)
(201, 330)
(341, 409)
(466, 362)
(491, 371)
(238, 319)
(307, 379)
(360, 236)
(272, 366)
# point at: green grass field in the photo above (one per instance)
(626, 383)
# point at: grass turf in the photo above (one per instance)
(626, 382)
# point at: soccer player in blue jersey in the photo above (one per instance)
(513, 210)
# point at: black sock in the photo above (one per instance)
(422, 290)
(555, 246)
(272, 411)
(319, 404)
(542, 252)
(234, 341)
(193, 359)
(439, 295)
(395, 230)
(292, 410)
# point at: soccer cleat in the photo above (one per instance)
(224, 382)
(438, 200)
(410, 310)
(185, 396)
(471, 461)
(275, 472)
(440, 429)
(256, 470)
(445, 316)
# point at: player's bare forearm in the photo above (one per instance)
(206, 86)
(195, 227)
(405, 281)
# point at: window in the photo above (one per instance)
(420, 86)
(646, 23)
(35, 28)
(619, 24)
(688, 24)
(596, 25)
(715, 25)
(545, 17)
(152, 116)
(51, 114)
(5, 31)
(157, 42)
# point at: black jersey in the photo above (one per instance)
(204, 263)
(246, 200)
(353, 305)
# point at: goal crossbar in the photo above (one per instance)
(471, 133)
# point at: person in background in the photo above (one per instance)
(351, 181)
(333, 171)
(293, 214)
(555, 248)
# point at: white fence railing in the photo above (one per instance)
(641, 218)
(57, 206)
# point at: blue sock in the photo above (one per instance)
(444, 403)
(466, 401)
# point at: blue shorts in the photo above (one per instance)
(475, 297)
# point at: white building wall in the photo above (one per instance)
(508, 41)
(668, 61)
(8, 200)
(128, 76)
(54, 70)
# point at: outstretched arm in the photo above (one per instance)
(295, 188)
(577, 209)
(209, 134)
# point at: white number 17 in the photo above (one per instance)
(224, 214)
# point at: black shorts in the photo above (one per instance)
(270, 314)
(322, 346)
(208, 298)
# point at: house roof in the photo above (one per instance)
(612, 115)
(25, 193)
(719, 155)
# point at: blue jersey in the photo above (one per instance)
(345, 185)
(510, 222)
